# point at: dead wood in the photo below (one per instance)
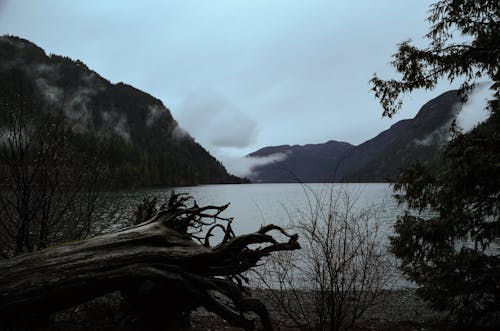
(164, 264)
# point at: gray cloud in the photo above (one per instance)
(52, 94)
(76, 108)
(244, 166)
(117, 123)
(215, 122)
(232, 129)
(154, 113)
(438, 137)
(179, 133)
(299, 69)
(469, 115)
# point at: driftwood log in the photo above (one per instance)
(165, 265)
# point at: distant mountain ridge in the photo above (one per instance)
(151, 149)
(302, 162)
(376, 160)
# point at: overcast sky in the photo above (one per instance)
(239, 75)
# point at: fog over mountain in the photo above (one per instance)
(380, 158)
(475, 110)
(240, 75)
(149, 147)
(96, 106)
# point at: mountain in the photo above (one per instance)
(308, 163)
(150, 149)
(376, 160)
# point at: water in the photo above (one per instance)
(252, 205)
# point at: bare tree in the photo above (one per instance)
(49, 190)
(341, 270)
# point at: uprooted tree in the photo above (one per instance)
(164, 265)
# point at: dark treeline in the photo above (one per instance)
(142, 142)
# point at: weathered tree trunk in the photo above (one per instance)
(159, 256)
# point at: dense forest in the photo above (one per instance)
(136, 135)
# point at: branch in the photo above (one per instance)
(161, 250)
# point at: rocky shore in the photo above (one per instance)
(397, 310)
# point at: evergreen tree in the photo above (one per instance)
(454, 255)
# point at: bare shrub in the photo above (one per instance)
(51, 178)
(341, 270)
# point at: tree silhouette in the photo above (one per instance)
(454, 255)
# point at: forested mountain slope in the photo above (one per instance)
(377, 159)
(149, 148)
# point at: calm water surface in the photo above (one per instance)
(252, 205)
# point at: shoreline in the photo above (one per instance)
(397, 310)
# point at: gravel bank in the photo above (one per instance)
(397, 310)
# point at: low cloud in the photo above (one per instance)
(215, 122)
(437, 137)
(154, 113)
(121, 128)
(232, 129)
(117, 123)
(245, 166)
(179, 133)
(472, 113)
(77, 110)
(44, 69)
(52, 94)
(77, 104)
(474, 110)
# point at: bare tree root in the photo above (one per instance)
(162, 265)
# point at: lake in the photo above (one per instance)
(254, 204)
